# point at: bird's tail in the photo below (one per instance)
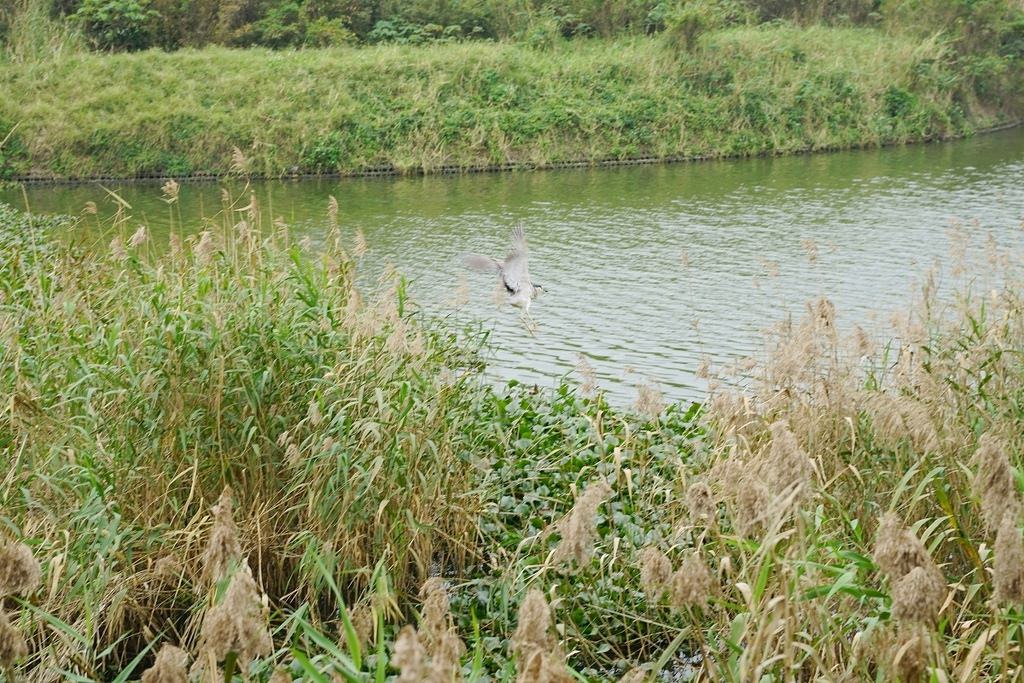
(484, 264)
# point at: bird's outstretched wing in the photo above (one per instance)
(484, 264)
(514, 271)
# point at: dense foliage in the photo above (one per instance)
(173, 24)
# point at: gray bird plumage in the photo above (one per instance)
(513, 272)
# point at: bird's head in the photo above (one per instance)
(538, 290)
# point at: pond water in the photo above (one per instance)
(650, 268)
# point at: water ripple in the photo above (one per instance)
(650, 269)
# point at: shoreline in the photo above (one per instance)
(390, 171)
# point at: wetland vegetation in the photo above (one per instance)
(230, 450)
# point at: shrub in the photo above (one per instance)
(321, 32)
(898, 102)
(397, 31)
(281, 26)
(118, 24)
(685, 24)
(186, 23)
(855, 11)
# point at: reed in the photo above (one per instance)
(136, 387)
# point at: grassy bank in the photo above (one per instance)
(740, 91)
(854, 516)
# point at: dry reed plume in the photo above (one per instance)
(899, 419)
(170, 190)
(588, 387)
(539, 656)
(205, 247)
(12, 645)
(410, 657)
(994, 483)
(238, 624)
(432, 653)
(788, 469)
(692, 584)
(897, 550)
(332, 211)
(363, 624)
(19, 576)
(19, 570)
(650, 400)
(1008, 569)
(911, 652)
(441, 640)
(918, 589)
(655, 572)
(139, 237)
(751, 505)
(223, 550)
(117, 250)
(701, 504)
(918, 595)
(360, 246)
(171, 666)
(578, 528)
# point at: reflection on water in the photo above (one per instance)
(650, 269)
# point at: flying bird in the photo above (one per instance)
(513, 273)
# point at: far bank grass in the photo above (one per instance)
(742, 91)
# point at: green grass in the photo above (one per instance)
(364, 453)
(747, 90)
